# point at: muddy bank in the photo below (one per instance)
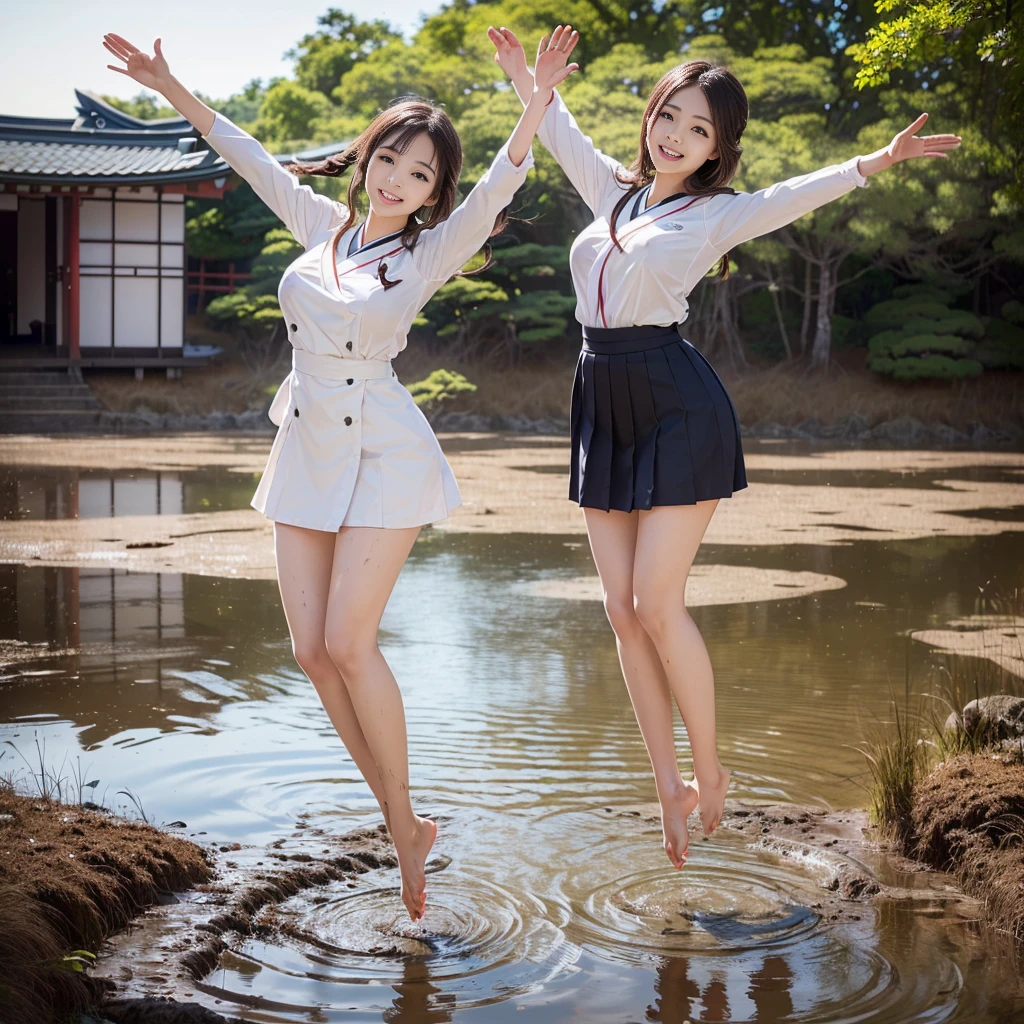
(70, 876)
(968, 819)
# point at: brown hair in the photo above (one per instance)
(729, 113)
(399, 123)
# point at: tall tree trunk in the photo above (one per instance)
(805, 325)
(773, 291)
(723, 324)
(821, 349)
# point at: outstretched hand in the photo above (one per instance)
(152, 72)
(509, 53)
(906, 145)
(552, 53)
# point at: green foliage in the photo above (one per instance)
(289, 113)
(324, 57)
(143, 106)
(439, 386)
(945, 222)
(1003, 347)
(918, 337)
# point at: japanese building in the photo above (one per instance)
(93, 267)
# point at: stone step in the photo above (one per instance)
(33, 403)
(44, 391)
(49, 421)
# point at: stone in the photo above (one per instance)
(996, 718)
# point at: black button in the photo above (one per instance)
(348, 345)
(296, 412)
(348, 421)
(349, 380)
(295, 327)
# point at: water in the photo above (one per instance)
(548, 906)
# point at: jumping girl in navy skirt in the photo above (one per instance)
(655, 437)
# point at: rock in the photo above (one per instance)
(904, 430)
(992, 719)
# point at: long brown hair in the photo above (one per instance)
(399, 124)
(729, 113)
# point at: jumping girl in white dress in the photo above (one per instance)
(355, 470)
(655, 437)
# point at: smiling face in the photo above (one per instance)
(398, 184)
(681, 137)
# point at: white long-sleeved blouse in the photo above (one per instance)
(352, 448)
(670, 245)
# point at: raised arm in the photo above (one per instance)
(444, 249)
(593, 174)
(731, 220)
(307, 214)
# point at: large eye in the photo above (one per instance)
(421, 175)
(665, 113)
(384, 156)
(697, 128)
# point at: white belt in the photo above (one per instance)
(340, 368)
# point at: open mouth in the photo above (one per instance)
(669, 154)
(388, 197)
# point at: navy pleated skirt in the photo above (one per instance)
(652, 423)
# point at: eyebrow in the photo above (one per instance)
(699, 117)
(429, 167)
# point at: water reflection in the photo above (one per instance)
(42, 492)
(521, 734)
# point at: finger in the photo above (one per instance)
(563, 39)
(542, 45)
(115, 49)
(115, 52)
(565, 73)
(511, 37)
(573, 40)
(157, 48)
(124, 42)
(556, 38)
(912, 128)
(120, 71)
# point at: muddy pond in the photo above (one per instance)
(546, 904)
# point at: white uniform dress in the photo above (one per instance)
(652, 423)
(352, 448)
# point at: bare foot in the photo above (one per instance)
(675, 809)
(412, 859)
(712, 800)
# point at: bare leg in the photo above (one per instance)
(667, 540)
(613, 543)
(366, 565)
(304, 575)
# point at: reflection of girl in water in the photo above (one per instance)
(355, 470)
(655, 437)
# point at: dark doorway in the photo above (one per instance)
(8, 275)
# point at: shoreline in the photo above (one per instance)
(191, 902)
(898, 432)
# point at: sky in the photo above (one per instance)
(55, 46)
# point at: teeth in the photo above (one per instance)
(671, 152)
(388, 195)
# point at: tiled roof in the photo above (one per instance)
(104, 146)
(97, 160)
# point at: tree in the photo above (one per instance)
(324, 57)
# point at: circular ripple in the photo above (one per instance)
(477, 944)
(750, 915)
